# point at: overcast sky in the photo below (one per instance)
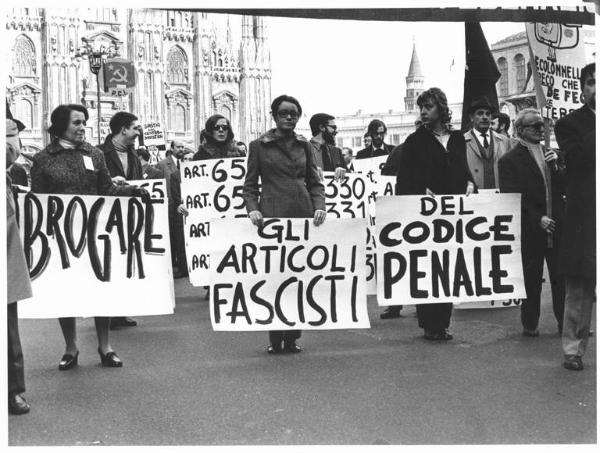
(341, 66)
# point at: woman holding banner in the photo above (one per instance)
(290, 185)
(70, 165)
(219, 140)
(433, 162)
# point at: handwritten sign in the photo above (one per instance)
(288, 274)
(96, 256)
(449, 248)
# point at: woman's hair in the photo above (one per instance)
(210, 124)
(438, 97)
(284, 98)
(61, 116)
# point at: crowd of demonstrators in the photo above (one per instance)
(17, 278)
(284, 179)
(534, 173)
(326, 155)
(290, 185)
(70, 165)
(576, 137)
(433, 162)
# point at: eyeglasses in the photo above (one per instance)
(535, 125)
(285, 113)
(332, 126)
(221, 127)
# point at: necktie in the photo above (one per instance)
(486, 144)
(177, 164)
(327, 164)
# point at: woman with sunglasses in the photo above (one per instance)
(290, 186)
(219, 140)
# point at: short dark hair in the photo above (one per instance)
(438, 97)
(210, 124)
(317, 120)
(587, 71)
(284, 98)
(374, 125)
(61, 115)
(144, 154)
(120, 120)
(346, 148)
(503, 119)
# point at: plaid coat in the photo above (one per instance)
(290, 185)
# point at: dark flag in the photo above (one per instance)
(481, 72)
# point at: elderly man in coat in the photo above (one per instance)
(484, 146)
(533, 172)
(576, 137)
(18, 284)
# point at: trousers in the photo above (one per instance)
(434, 317)
(579, 303)
(16, 368)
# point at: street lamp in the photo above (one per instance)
(95, 57)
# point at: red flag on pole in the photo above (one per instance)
(481, 72)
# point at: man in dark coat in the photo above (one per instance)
(576, 137)
(376, 130)
(535, 174)
(326, 155)
(123, 165)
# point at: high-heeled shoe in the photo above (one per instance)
(68, 361)
(110, 359)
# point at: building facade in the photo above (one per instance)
(188, 66)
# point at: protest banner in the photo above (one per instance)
(558, 54)
(490, 304)
(157, 188)
(210, 189)
(449, 248)
(288, 274)
(96, 256)
(376, 185)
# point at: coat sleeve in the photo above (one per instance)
(313, 182)
(175, 182)
(38, 179)
(405, 179)
(462, 155)
(578, 149)
(251, 190)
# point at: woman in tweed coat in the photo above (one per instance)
(290, 185)
(70, 165)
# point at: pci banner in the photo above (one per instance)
(558, 55)
(96, 256)
(449, 248)
(210, 189)
(288, 274)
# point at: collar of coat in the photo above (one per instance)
(108, 146)
(54, 147)
(274, 135)
(214, 150)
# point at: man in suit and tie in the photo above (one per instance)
(376, 130)
(536, 174)
(484, 146)
(576, 137)
(123, 165)
(348, 158)
(170, 167)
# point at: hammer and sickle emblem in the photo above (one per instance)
(121, 72)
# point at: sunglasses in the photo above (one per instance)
(221, 127)
(285, 114)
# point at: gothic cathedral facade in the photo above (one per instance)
(189, 66)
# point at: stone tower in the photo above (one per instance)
(414, 82)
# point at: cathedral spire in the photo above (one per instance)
(414, 69)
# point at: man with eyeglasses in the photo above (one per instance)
(123, 165)
(376, 130)
(535, 173)
(326, 155)
(576, 137)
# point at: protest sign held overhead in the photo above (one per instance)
(287, 275)
(558, 54)
(154, 135)
(210, 189)
(449, 248)
(109, 256)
